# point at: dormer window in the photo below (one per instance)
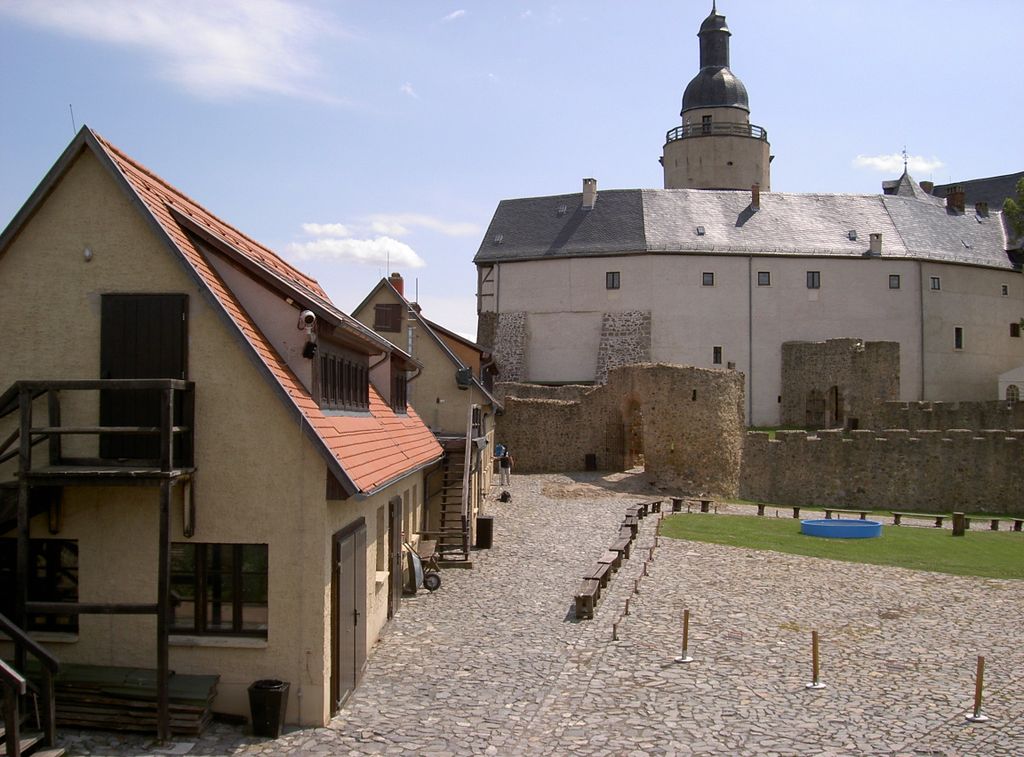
(399, 391)
(344, 380)
(387, 317)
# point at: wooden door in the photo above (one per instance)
(395, 513)
(348, 613)
(141, 336)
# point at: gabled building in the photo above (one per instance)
(715, 271)
(195, 439)
(452, 394)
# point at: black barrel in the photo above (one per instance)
(484, 531)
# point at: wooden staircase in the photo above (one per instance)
(20, 696)
(452, 531)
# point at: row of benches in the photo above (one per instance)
(897, 517)
(596, 578)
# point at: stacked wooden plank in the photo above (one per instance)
(125, 699)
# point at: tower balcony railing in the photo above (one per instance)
(721, 128)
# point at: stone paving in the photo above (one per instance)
(495, 663)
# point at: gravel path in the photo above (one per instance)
(495, 662)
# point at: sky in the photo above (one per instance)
(356, 138)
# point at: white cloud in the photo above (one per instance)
(893, 163)
(372, 251)
(326, 229)
(406, 89)
(400, 224)
(222, 49)
(454, 15)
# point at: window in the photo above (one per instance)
(344, 381)
(1015, 330)
(958, 338)
(611, 280)
(716, 355)
(1013, 393)
(707, 279)
(1005, 290)
(399, 391)
(53, 577)
(387, 317)
(764, 278)
(219, 589)
(814, 279)
(705, 125)
(894, 281)
(936, 284)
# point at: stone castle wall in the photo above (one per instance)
(625, 340)
(927, 471)
(942, 415)
(509, 345)
(690, 420)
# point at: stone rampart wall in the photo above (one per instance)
(625, 340)
(510, 346)
(942, 415)
(926, 471)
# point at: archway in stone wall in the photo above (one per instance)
(633, 430)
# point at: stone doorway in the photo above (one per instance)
(634, 433)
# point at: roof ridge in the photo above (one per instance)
(109, 146)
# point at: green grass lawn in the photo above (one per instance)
(995, 554)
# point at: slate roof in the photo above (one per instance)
(365, 452)
(637, 221)
(991, 189)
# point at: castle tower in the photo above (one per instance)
(716, 147)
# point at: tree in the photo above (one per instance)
(1013, 207)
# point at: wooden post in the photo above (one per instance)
(163, 614)
(53, 405)
(166, 436)
(815, 682)
(684, 655)
(959, 524)
(979, 683)
(760, 508)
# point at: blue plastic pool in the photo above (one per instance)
(841, 528)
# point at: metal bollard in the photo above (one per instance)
(626, 612)
(615, 631)
(684, 656)
(815, 683)
(979, 682)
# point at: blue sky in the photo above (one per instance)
(349, 136)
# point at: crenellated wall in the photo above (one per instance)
(942, 415)
(927, 471)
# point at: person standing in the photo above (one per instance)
(505, 463)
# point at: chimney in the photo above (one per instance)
(397, 282)
(755, 197)
(981, 209)
(876, 245)
(955, 199)
(928, 187)
(589, 193)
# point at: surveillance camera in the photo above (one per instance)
(306, 319)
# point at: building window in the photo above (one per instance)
(707, 279)
(219, 589)
(399, 391)
(1005, 290)
(716, 355)
(894, 281)
(344, 381)
(53, 577)
(936, 284)
(958, 338)
(611, 280)
(814, 279)
(387, 317)
(1015, 330)
(764, 278)
(705, 124)
(1013, 393)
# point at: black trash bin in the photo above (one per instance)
(268, 700)
(484, 531)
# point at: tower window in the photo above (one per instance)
(958, 337)
(705, 125)
(707, 279)
(716, 355)
(764, 278)
(814, 279)
(1005, 290)
(611, 280)
(936, 283)
(894, 281)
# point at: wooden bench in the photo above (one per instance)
(937, 517)
(639, 511)
(612, 559)
(655, 506)
(705, 505)
(632, 522)
(599, 572)
(1017, 522)
(586, 598)
(625, 532)
(829, 510)
(677, 504)
(796, 511)
(760, 508)
(623, 546)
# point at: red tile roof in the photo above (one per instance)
(371, 450)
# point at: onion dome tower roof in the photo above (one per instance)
(714, 86)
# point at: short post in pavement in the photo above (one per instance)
(685, 656)
(979, 683)
(815, 682)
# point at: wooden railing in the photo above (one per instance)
(15, 686)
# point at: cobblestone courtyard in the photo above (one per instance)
(495, 663)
